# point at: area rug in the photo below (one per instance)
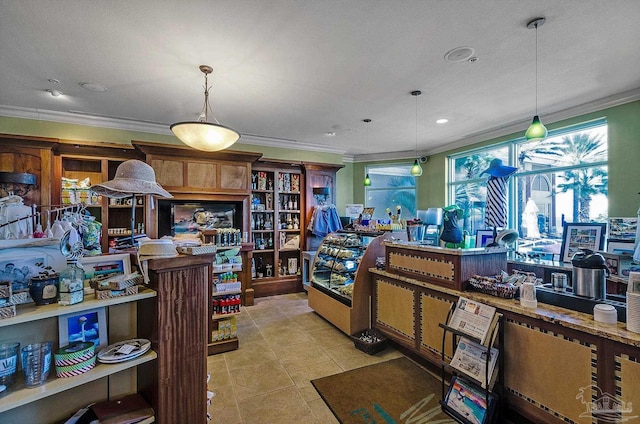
(392, 392)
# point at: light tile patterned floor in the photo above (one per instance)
(284, 345)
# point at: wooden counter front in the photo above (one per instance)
(177, 325)
(445, 267)
(558, 363)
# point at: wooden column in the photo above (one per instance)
(177, 324)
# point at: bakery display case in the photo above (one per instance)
(340, 283)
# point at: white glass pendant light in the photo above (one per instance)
(536, 131)
(416, 169)
(201, 134)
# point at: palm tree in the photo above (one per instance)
(581, 148)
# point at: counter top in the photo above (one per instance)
(445, 250)
(564, 317)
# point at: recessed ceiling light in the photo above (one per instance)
(55, 93)
(93, 86)
(442, 121)
(53, 81)
(459, 54)
(330, 134)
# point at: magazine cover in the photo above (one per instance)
(468, 402)
(471, 358)
(472, 318)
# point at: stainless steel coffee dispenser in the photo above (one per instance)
(589, 274)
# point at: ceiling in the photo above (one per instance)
(288, 73)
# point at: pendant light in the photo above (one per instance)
(416, 169)
(536, 131)
(367, 180)
(201, 134)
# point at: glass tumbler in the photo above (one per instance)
(36, 363)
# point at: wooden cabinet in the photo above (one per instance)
(177, 325)
(77, 166)
(320, 188)
(277, 228)
(31, 155)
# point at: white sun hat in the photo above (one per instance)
(132, 177)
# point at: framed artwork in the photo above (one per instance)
(620, 247)
(579, 236)
(622, 229)
(19, 270)
(484, 237)
(86, 326)
(98, 268)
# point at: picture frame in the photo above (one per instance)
(484, 238)
(620, 247)
(97, 268)
(577, 236)
(469, 403)
(87, 325)
(622, 229)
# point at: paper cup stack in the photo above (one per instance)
(633, 302)
(75, 359)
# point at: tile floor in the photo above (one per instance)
(284, 345)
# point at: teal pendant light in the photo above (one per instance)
(367, 180)
(416, 169)
(536, 131)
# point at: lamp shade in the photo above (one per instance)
(536, 131)
(416, 169)
(367, 181)
(205, 135)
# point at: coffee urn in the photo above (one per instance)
(589, 274)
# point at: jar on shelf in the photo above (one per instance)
(71, 284)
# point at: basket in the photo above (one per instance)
(369, 341)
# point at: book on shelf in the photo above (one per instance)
(468, 403)
(471, 359)
(473, 318)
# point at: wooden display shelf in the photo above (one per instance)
(222, 346)
(216, 294)
(20, 395)
(31, 312)
(223, 316)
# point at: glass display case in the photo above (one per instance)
(336, 263)
(340, 288)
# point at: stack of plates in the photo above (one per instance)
(124, 351)
(633, 312)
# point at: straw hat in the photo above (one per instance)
(497, 169)
(132, 177)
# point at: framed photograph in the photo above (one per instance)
(98, 268)
(579, 236)
(85, 326)
(468, 403)
(622, 229)
(484, 237)
(620, 247)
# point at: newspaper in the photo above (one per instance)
(472, 318)
(471, 359)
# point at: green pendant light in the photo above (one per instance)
(536, 131)
(416, 169)
(367, 180)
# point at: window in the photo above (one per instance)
(391, 186)
(560, 179)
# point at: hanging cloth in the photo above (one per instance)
(496, 210)
(325, 220)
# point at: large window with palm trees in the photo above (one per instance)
(391, 186)
(560, 179)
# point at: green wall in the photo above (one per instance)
(624, 162)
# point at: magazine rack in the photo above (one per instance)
(468, 399)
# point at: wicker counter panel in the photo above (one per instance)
(395, 308)
(431, 267)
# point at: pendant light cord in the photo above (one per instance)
(536, 69)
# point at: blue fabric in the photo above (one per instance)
(325, 220)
